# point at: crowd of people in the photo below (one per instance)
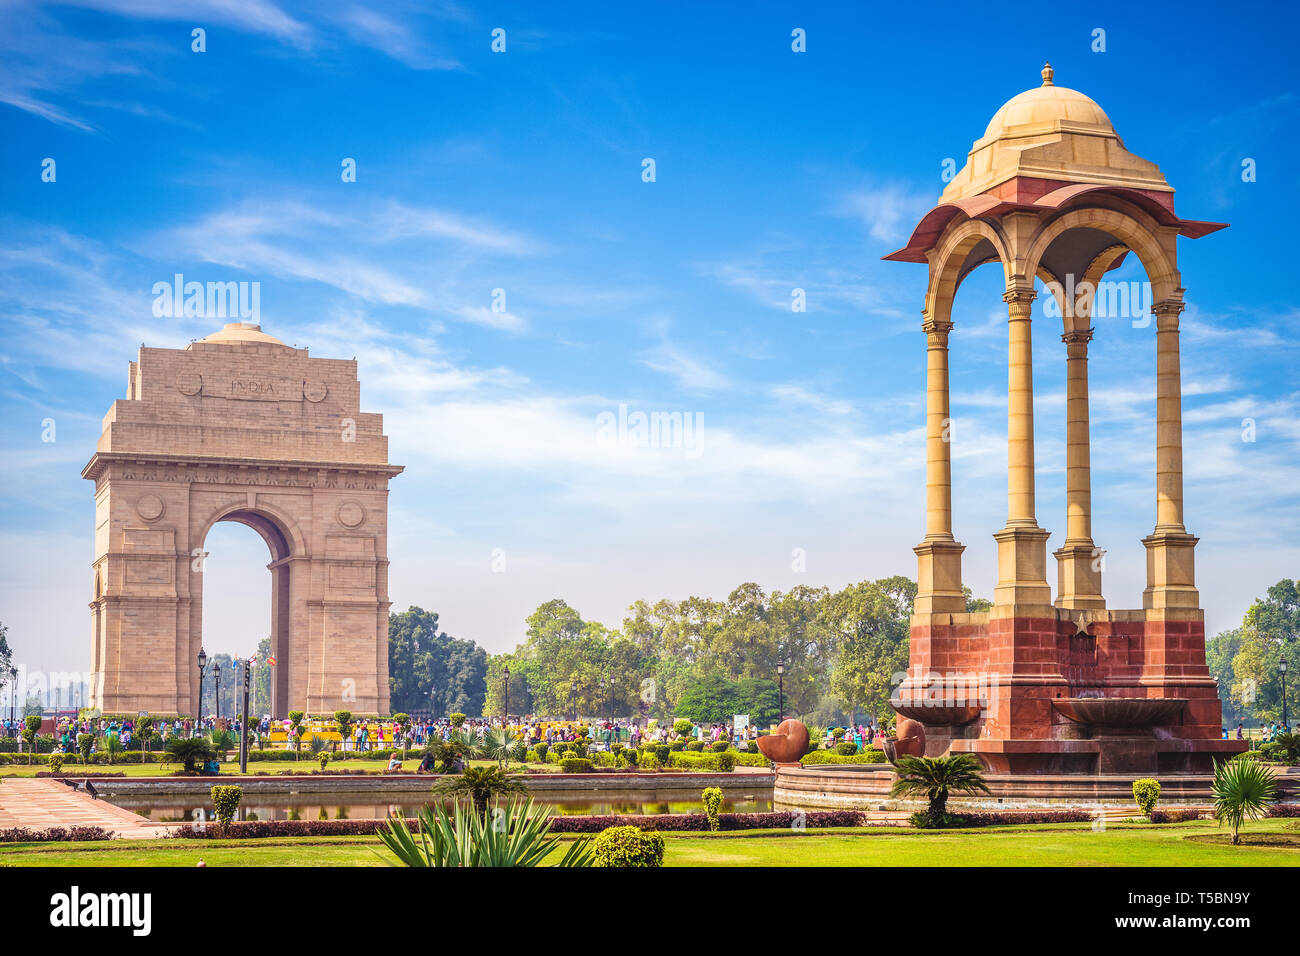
(1267, 732)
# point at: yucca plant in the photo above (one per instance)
(481, 785)
(935, 778)
(316, 745)
(519, 836)
(1243, 790)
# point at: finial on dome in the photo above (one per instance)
(1047, 74)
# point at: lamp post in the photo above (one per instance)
(780, 688)
(216, 673)
(198, 708)
(507, 700)
(13, 692)
(573, 696)
(243, 722)
(1281, 666)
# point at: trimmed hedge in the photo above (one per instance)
(626, 846)
(685, 822)
(825, 756)
(1010, 817)
(1284, 810)
(692, 822)
(1174, 816)
(53, 834)
(719, 763)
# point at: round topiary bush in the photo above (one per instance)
(628, 847)
(696, 745)
(682, 727)
(1147, 794)
(56, 763)
(577, 765)
(846, 749)
(719, 745)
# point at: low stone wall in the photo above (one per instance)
(540, 784)
(867, 788)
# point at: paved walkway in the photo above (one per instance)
(39, 803)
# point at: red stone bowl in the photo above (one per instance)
(1120, 711)
(937, 715)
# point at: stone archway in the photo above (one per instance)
(241, 427)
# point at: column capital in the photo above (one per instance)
(1076, 342)
(936, 330)
(1020, 302)
(1167, 312)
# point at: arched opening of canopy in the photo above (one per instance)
(967, 297)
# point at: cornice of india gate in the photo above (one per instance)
(203, 468)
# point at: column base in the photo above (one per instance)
(1078, 576)
(1022, 568)
(938, 577)
(1171, 570)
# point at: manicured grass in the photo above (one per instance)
(1053, 845)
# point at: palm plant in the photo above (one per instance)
(499, 745)
(1243, 790)
(481, 785)
(190, 751)
(316, 744)
(460, 745)
(935, 778)
(113, 747)
(520, 837)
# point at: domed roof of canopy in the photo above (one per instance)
(236, 333)
(1052, 133)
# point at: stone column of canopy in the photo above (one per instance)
(1171, 579)
(939, 554)
(1022, 544)
(1078, 562)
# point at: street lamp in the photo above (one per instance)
(13, 691)
(507, 701)
(216, 673)
(198, 709)
(1281, 666)
(780, 687)
(573, 696)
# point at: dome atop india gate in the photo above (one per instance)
(236, 333)
(1052, 133)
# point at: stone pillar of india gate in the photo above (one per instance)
(241, 427)
(1050, 193)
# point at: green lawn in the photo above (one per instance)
(1055, 845)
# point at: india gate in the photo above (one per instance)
(239, 426)
(1050, 193)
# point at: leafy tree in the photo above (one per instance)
(430, 670)
(872, 621)
(715, 700)
(6, 657)
(1245, 660)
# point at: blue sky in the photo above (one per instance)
(522, 171)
